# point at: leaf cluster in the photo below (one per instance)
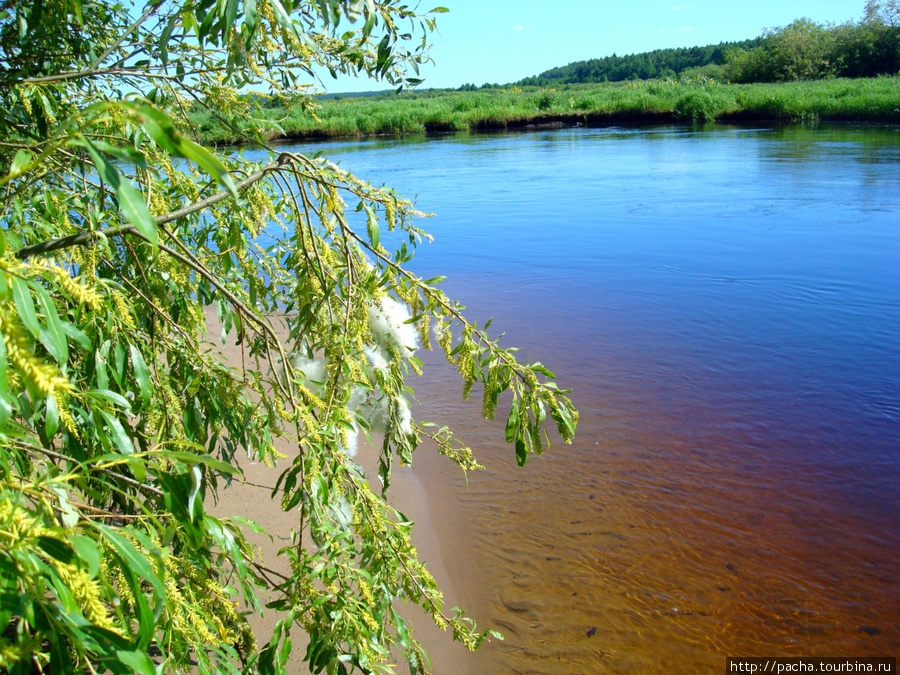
(122, 242)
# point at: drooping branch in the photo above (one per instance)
(86, 237)
(151, 9)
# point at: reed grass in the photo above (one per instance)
(654, 101)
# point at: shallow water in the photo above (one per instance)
(725, 304)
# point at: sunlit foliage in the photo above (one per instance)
(122, 241)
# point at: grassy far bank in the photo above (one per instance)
(653, 101)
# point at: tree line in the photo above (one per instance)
(806, 50)
(660, 63)
(802, 50)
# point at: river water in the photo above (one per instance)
(725, 305)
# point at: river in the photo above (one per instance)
(725, 305)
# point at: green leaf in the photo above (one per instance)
(67, 513)
(51, 417)
(512, 422)
(402, 630)
(77, 335)
(127, 154)
(373, 230)
(119, 436)
(252, 524)
(141, 374)
(131, 202)
(5, 403)
(25, 305)
(100, 367)
(231, 10)
(521, 452)
(138, 467)
(75, 6)
(112, 397)
(209, 163)
(384, 53)
(196, 482)
(165, 36)
(57, 549)
(135, 561)
(53, 337)
(23, 162)
(88, 553)
(251, 20)
(539, 368)
(206, 460)
(137, 661)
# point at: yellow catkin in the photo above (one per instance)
(91, 260)
(200, 591)
(21, 528)
(43, 376)
(282, 413)
(487, 403)
(158, 204)
(122, 309)
(424, 332)
(24, 99)
(310, 425)
(173, 407)
(120, 583)
(88, 595)
(271, 452)
(65, 416)
(10, 655)
(390, 215)
(19, 525)
(80, 293)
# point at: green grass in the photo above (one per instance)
(703, 100)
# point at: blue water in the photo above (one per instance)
(725, 304)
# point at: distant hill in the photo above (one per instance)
(659, 63)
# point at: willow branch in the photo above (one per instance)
(133, 27)
(55, 455)
(89, 72)
(86, 237)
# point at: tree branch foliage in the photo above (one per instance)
(119, 420)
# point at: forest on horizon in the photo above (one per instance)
(802, 50)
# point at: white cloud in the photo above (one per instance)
(519, 27)
(684, 29)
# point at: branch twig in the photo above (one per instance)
(86, 237)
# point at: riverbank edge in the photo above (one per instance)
(596, 120)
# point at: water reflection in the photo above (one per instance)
(726, 304)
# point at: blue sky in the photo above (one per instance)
(503, 41)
